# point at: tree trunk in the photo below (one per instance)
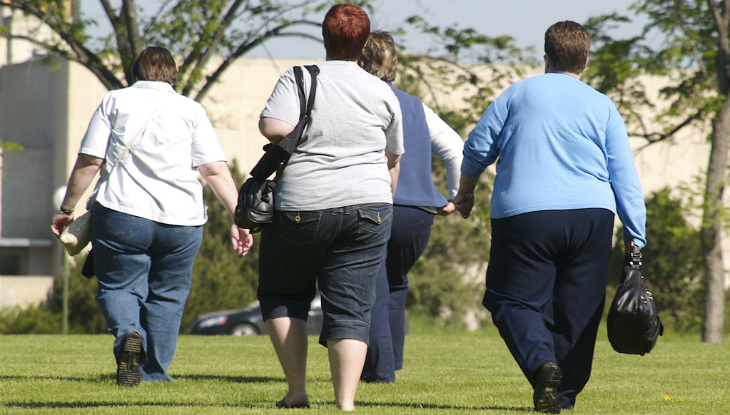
(712, 325)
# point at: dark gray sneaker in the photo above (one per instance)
(546, 382)
(128, 360)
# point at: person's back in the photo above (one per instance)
(340, 159)
(157, 179)
(557, 136)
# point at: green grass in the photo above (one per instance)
(444, 374)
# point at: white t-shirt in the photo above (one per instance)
(341, 159)
(157, 178)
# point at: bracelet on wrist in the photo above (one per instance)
(65, 211)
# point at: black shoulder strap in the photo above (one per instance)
(313, 72)
(304, 115)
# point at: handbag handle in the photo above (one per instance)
(635, 258)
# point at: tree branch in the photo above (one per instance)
(210, 50)
(130, 20)
(244, 48)
(653, 138)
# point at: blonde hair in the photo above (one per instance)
(380, 57)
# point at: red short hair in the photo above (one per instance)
(345, 30)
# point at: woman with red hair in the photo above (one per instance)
(333, 209)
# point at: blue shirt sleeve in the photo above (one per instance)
(625, 180)
(482, 147)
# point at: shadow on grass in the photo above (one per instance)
(252, 405)
(112, 378)
(232, 379)
(444, 407)
(86, 404)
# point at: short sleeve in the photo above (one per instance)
(97, 135)
(205, 146)
(283, 104)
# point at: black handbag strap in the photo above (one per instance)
(632, 262)
(635, 258)
(276, 156)
(305, 110)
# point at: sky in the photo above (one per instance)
(524, 20)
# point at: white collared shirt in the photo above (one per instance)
(157, 179)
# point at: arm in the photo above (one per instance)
(274, 130)
(448, 146)
(393, 169)
(82, 175)
(219, 178)
(625, 183)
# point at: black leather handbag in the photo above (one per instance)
(632, 322)
(255, 208)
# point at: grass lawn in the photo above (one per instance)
(443, 374)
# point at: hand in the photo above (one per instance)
(628, 246)
(447, 210)
(463, 205)
(60, 221)
(241, 240)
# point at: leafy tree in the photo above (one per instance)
(694, 55)
(195, 30)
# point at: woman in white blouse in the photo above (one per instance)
(149, 144)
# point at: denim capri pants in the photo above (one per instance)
(339, 249)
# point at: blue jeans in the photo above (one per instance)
(340, 249)
(144, 269)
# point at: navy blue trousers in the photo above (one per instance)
(546, 288)
(409, 237)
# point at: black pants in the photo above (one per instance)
(546, 287)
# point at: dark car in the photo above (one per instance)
(248, 321)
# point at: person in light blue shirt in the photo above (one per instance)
(564, 169)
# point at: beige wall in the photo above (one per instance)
(24, 291)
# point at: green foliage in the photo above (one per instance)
(84, 315)
(671, 262)
(31, 320)
(221, 280)
(8, 146)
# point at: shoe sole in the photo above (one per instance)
(128, 371)
(545, 397)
